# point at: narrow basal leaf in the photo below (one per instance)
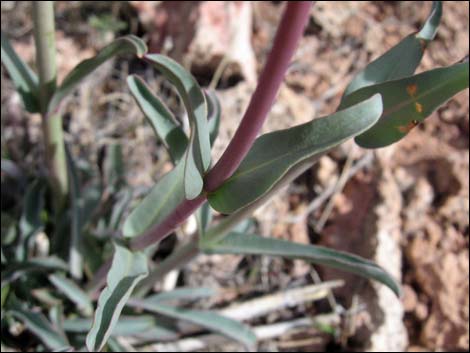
(75, 248)
(33, 204)
(41, 328)
(198, 157)
(401, 60)
(160, 118)
(167, 193)
(73, 292)
(128, 269)
(4, 294)
(126, 326)
(125, 45)
(214, 112)
(239, 243)
(24, 79)
(143, 327)
(15, 270)
(209, 320)
(181, 294)
(273, 154)
(408, 101)
(204, 218)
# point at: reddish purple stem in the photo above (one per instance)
(159, 231)
(287, 38)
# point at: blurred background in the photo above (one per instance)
(405, 206)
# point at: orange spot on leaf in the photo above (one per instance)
(419, 107)
(412, 89)
(404, 129)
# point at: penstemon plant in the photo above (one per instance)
(380, 106)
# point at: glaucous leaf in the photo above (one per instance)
(15, 270)
(181, 294)
(164, 197)
(197, 158)
(24, 79)
(75, 247)
(209, 320)
(204, 218)
(73, 292)
(273, 154)
(126, 326)
(129, 44)
(33, 205)
(160, 118)
(214, 112)
(401, 60)
(248, 244)
(408, 101)
(127, 269)
(41, 328)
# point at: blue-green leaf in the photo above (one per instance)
(408, 101)
(167, 193)
(198, 155)
(239, 243)
(214, 112)
(160, 118)
(41, 328)
(73, 292)
(75, 248)
(24, 79)
(127, 269)
(209, 320)
(401, 60)
(125, 45)
(273, 154)
(181, 294)
(204, 218)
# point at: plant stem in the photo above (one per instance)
(287, 37)
(44, 35)
(286, 40)
(188, 252)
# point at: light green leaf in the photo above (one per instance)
(127, 269)
(214, 112)
(164, 197)
(239, 243)
(41, 328)
(408, 101)
(73, 292)
(198, 155)
(273, 154)
(125, 45)
(209, 320)
(160, 118)
(24, 79)
(401, 60)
